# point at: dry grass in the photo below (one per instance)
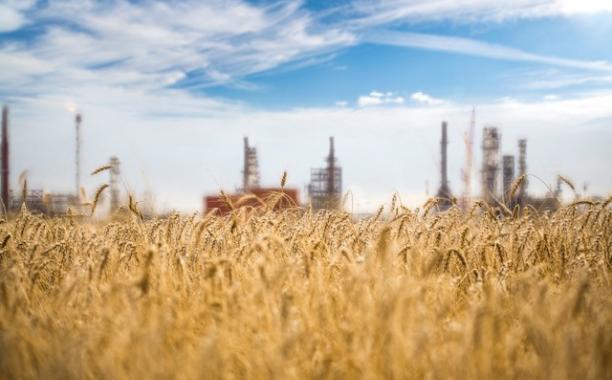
(292, 294)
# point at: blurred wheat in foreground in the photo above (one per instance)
(291, 294)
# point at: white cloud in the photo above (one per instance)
(129, 53)
(123, 124)
(376, 98)
(571, 7)
(365, 100)
(551, 97)
(380, 12)
(341, 103)
(473, 47)
(11, 14)
(421, 97)
(148, 46)
(10, 19)
(557, 80)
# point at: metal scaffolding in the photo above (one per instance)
(250, 171)
(490, 164)
(325, 188)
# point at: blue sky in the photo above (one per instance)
(357, 69)
(172, 86)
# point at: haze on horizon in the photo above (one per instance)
(171, 87)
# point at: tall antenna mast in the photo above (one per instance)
(77, 194)
(466, 173)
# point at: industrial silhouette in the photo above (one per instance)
(499, 182)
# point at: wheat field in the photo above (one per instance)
(293, 294)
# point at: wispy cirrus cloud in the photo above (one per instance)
(562, 81)
(469, 46)
(143, 64)
(192, 45)
(121, 47)
(382, 12)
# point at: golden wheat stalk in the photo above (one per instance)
(97, 197)
(568, 182)
(101, 169)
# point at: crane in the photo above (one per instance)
(466, 172)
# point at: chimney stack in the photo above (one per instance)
(331, 168)
(490, 164)
(114, 179)
(508, 177)
(250, 171)
(5, 191)
(522, 167)
(444, 192)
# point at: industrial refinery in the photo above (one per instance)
(51, 203)
(499, 183)
(504, 180)
(224, 203)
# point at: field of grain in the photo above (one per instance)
(294, 294)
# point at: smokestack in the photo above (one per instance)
(114, 176)
(250, 172)
(522, 167)
(331, 167)
(490, 164)
(245, 165)
(508, 176)
(333, 187)
(77, 194)
(326, 183)
(443, 144)
(5, 160)
(444, 191)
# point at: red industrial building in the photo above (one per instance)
(219, 202)
(250, 186)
